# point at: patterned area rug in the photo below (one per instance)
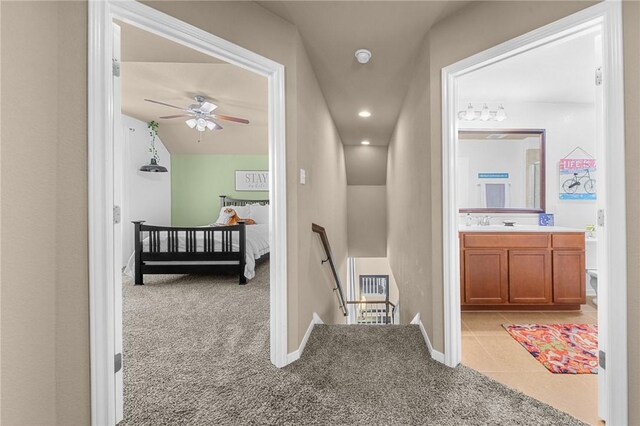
(562, 348)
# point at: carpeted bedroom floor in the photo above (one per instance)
(196, 352)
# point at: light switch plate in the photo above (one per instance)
(303, 177)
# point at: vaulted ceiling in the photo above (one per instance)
(156, 68)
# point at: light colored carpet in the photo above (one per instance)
(196, 353)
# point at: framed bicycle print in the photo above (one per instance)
(578, 179)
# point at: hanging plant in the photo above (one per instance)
(153, 133)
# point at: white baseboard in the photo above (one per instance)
(295, 355)
(437, 356)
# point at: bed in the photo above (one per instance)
(201, 250)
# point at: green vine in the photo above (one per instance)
(153, 133)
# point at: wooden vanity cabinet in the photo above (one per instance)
(522, 271)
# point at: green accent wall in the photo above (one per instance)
(198, 180)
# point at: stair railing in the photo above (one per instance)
(327, 249)
(374, 311)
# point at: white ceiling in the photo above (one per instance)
(559, 72)
(159, 69)
(333, 30)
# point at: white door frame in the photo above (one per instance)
(609, 16)
(100, 174)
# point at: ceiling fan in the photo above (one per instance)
(200, 115)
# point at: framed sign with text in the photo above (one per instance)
(578, 179)
(252, 180)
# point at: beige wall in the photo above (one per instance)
(45, 357)
(323, 200)
(631, 22)
(44, 313)
(367, 220)
(409, 198)
(366, 165)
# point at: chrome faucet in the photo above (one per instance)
(484, 221)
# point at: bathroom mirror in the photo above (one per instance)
(501, 171)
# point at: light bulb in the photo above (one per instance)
(201, 122)
(485, 115)
(470, 114)
(501, 115)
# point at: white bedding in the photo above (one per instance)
(257, 246)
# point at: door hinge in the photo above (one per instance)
(601, 217)
(115, 65)
(599, 76)
(602, 359)
(116, 214)
(117, 362)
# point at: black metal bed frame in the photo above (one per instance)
(199, 259)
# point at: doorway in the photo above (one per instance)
(105, 319)
(611, 309)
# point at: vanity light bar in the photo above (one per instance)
(470, 114)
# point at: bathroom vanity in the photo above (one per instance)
(522, 268)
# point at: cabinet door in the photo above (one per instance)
(569, 276)
(485, 277)
(530, 276)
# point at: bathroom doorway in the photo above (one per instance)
(584, 180)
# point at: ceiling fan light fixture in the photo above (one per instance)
(191, 122)
(211, 125)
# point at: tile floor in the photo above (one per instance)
(488, 348)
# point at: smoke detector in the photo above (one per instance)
(363, 55)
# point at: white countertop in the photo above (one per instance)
(516, 228)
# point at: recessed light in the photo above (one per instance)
(365, 142)
(364, 114)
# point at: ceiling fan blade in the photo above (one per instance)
(213, 125)
(175, 116)
(207, 107)
(230, 118)
(165, 104)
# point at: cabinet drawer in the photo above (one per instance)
(568, 240)
(503, 240)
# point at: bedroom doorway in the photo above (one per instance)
(165, 249)
(611, 239)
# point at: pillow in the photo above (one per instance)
(243, 213)
(259, 213)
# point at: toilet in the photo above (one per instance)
(593, 282)
(591, 264)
